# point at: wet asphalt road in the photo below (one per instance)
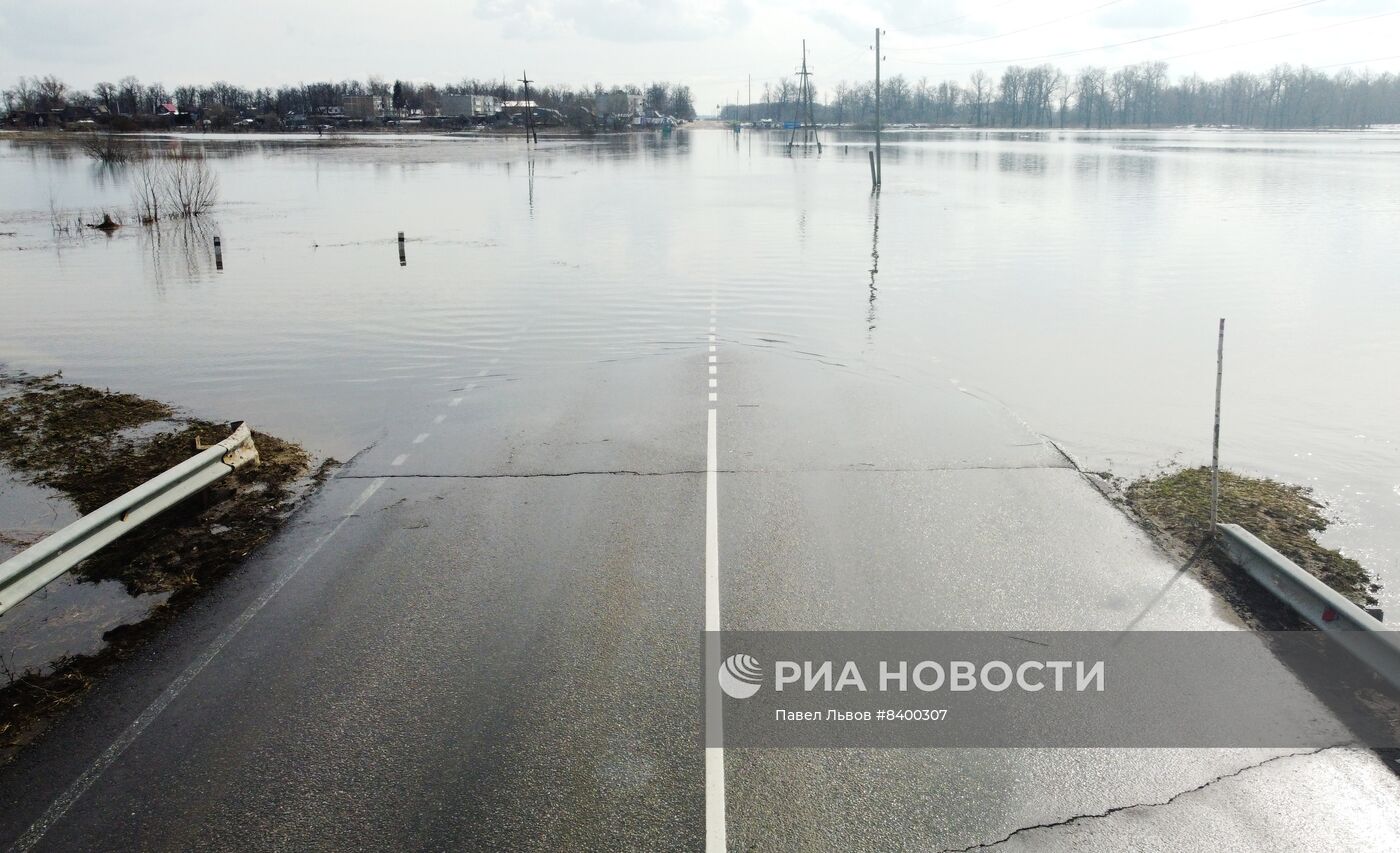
(484, 634)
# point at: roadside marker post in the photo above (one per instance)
(1215, 442)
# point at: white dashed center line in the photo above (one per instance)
(422, 437)
(716, 829)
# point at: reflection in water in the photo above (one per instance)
(874, 263)
(1013, 161)
(1104, 254)
(182, 249)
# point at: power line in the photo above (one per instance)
(1167, 34)
(954, 19)
(1356, 62)
(1012, 32)
(1282, 35)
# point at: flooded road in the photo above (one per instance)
(1074, 278)
(620, 390)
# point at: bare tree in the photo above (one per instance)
(981, 92)
(50, 93)
(191, 187)
(109, 148)
(147, 191)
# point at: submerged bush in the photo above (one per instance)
(109, 148)
(179, 185)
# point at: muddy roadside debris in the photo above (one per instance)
(92, 445)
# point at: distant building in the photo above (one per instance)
(362, 106)
(167, 109)
(619, 102)
(469, 106)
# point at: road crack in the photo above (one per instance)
(1115, 809)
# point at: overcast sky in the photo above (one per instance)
(709, 44)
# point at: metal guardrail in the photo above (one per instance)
(30, 570)
(1350, 626)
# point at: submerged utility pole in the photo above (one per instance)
(1215, 443)
(879, 164)
(529, 110)
(804, 100)
(750, 103)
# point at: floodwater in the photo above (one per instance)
(1075, 278)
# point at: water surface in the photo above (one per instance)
(1076, 278)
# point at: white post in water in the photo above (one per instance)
(1215, 443)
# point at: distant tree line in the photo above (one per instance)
(1139, 95)
(131, 97)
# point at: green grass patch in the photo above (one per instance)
(1286, 517)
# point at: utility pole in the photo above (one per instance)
(879, 164)
(804, 101)
(529, 110)
(750, 104)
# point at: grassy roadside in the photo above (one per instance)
(1287, 517)
(92, 445)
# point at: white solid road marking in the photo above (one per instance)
(715, 841)
(59, 807)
